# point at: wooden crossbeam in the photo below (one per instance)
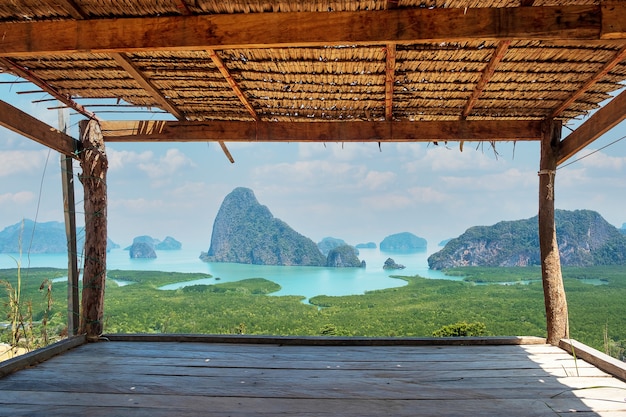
(28, 75)
(485, 77)
(262, 30)
(183, 7)
(598, 124)
(73, 9)
(606, 68)
(26, 125)
(125, 62)
(219, 63)
(390, 76)
(351, 131)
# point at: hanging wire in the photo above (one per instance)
(591, 153)
(32, 236)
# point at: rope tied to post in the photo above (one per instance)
(550, 185)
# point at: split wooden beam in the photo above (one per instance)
(603, 120)
(568, 23)
(126, 63)
(183, 7)
(46, 87)
(606, 68)
(26, 125)
(390, 76)
(487, 74)
(553, 289)
(73, 9)
(219, 63)
(347, 131)
(94, 163)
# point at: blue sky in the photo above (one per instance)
(353, 191)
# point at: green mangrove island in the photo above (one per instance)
(480, 304)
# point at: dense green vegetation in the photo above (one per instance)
(421, 308)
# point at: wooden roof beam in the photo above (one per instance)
(497, 56)
(183, 7)
(125, 62)
(24, 124)
(603, 120)
(217, 61)
(619, 57)
(28, 75)
(350, 131)
(390, 76)
(73, 9)
(262, 30)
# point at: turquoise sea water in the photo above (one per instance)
(302, 281)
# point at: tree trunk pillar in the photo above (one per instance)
(553, 290)
(93, 162)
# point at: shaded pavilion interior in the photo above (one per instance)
(452, 71)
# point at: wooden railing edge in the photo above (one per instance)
(600, 360)
(40, 355)
(330, 341)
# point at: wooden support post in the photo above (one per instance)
(93, 162)
(553, 290)
(69, 204)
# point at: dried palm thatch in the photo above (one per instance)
(531, 80)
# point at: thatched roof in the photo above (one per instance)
(282, 61)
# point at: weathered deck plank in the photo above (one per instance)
(219, 379)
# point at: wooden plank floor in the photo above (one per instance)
(227, 379)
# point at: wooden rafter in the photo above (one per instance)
(598, 124)
(124, 61)
(262, 30)
(73, 9)
(19, 122)
(606, 68)
(217, 61)
(397, 131)
(497, 56)
(183, 7)
(63, 98)
(390, 72)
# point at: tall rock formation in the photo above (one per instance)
(344, 256)
(246, 232)
(583, 236)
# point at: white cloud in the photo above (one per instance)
(600, 160)
(376, 179)
(170, 163)
(16, 162)
(509, 180)
(20, 197)
(122, 159)
(140, 205)
(423, 195)
(307, 171)
(397, 200)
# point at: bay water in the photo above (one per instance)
(302, 281)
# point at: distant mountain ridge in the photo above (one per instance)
(583, 236)
(245, 231)
(40, 237)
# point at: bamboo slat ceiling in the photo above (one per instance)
(253, 69)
